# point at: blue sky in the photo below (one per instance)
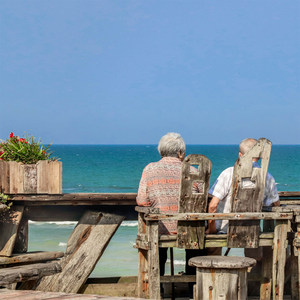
(127, 72)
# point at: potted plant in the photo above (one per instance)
(26, 167)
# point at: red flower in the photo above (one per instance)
(22, 140)
(11, 135)
(1, 152)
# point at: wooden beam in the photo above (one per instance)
(73, 213)
(221, 216)
(30, 257)
(28, 272)
(85, 246)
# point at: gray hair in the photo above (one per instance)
(246, 145)
(170, 144)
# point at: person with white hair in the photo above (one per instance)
(222, 189)
(160, 184)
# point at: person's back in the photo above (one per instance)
(159, 187)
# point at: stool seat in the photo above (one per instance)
(222, 262)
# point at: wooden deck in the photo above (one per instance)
(35, 295)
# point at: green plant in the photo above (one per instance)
(26, 150)
(4, 199)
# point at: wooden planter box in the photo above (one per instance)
(44, 177)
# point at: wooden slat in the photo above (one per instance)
(289, 194)
(29, 179)
(222, 216)
(279, 259)
(42, 176)
(30, 257)
(78, 199)
(246, 197)
(85, 246)
(37, 295)
(9, 223)
(16, 174)
(28, 272)
(54, 177)
(191, 235)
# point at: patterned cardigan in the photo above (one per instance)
(159, 187)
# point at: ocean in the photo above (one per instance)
(117, 169)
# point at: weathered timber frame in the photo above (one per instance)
(149, 268)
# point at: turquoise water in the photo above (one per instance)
(117, 168)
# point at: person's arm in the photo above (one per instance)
(277, 203)
(212, 208)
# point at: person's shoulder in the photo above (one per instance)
(226, 172)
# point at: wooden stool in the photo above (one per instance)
(221, 277)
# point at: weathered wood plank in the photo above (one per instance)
(30, 257)
(153, 262)
(28, 272)
(21, 243)
(9, 223)
(221, 216)
(191, 235)
(37, 295)
(248, 185)
(29, 179)
(279, 259)
(42, 176)
(266, 282)
(55, 177)
(82, 252)
(16, 175)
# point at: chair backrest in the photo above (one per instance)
(194, 188)
(248, 186)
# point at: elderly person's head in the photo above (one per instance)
(246, 145)
(172, 144)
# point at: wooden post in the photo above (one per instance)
(221, 277)
(143, 286)
(153, 262)
(295, 276)
(279, 258)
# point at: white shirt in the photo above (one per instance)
(222, 189)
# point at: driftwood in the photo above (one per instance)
(191, 235)
(28, 272)
(85, 246)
